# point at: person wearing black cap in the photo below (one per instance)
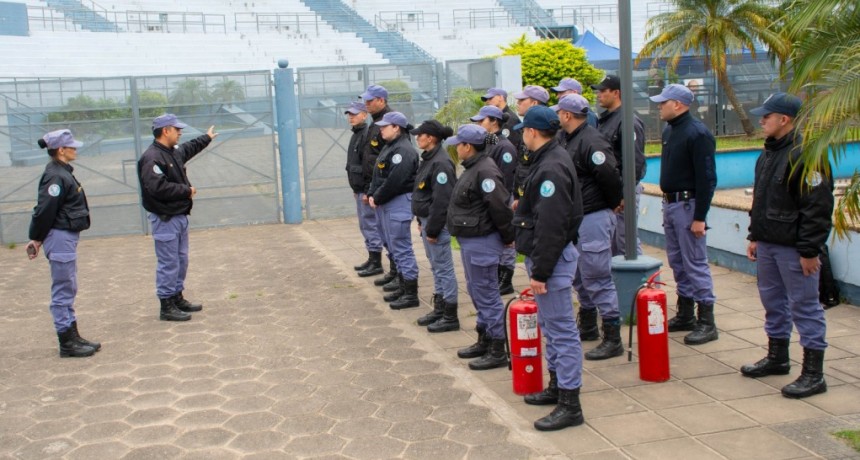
(688, 178)
(790, 221)
(375, 98)
(498, 98)
(60, 214)
(356, 115)
(391, 192)
(503, 152)
(480, 218)
(547, 223)
(609, 123)
(168, 195)
(600, 187)
(434, 183)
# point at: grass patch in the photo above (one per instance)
(851, 437)
(723, 143)
(232, 296)
(11, 245)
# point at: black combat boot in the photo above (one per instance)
(548, 396)
(705, 330)
(396, 292)
(775, 363)
(436, 314)
(169, 311)
(96, 345)
(70, 347)
(409, 299)
(587, 324)
(685, 318)
(611, 346)
(494, 357)
(811, 380)
(567, 413)
(389, 277)
(374, 267)
(394, 284)
(448, 321)
(185, 305)
(364, 264)
(478, 348)
(506, 280)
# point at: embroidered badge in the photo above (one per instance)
(547, 189)
(156, 169)
(507, 157)
(598, 157)
(488, 185)
(54, 190)
(506, 132)
(814, 179)
(396, 159)
(442, 178)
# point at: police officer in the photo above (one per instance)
(375, 98)
(503, 152)
(168, 195)
(59, 216)
(356, 115)
(530, 96)
(609, 123)
(480, 218)
(600, 187)
(571, 86)
(790, 221)
(391, 191)
(497, 97)
(547, 221)
(434, 183)
(688, 177)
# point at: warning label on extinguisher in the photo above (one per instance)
(656, 320)
(527, 327)
(529, 352)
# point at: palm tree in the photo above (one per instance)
(228, 91)
(825, 61)
(718, 29)
(189, 95)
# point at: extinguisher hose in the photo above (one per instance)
(507, 338)
(630, 322)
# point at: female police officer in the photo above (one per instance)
(391, 190)
(58, 218)
(430, 197)
(503, 153)
(547, 221)
(480, 218)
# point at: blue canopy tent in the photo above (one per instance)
(598, 53)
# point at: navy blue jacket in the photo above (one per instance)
(687, 163)
(788, 208)
(434, 184)
(504, 154)
(354, 152)
(62, 203)
(610, 125)
(596, 170)
(164, 185)
(395, 170)
(479, 203)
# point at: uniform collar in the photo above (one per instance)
(535, 156)
(471, 161)
(360, 127)
(569, 137)
(774, 145)
(426, 155)
(67, 166)
(680, 118)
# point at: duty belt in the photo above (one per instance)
(674, 197)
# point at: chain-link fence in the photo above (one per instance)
(236, 177)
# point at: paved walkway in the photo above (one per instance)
(294, 356)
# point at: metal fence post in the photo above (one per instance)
(285, 108)
(138, 144)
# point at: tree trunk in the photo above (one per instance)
(733, 98)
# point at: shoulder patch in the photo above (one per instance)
(506, 132)
(598, 157)
(547, 189)
(396, 159)
(442, 178)
(488, 185)
(507, 157)
(54, 190)
(157, 170)
(814, 179)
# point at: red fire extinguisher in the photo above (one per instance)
(652, 332)
(524, 350)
